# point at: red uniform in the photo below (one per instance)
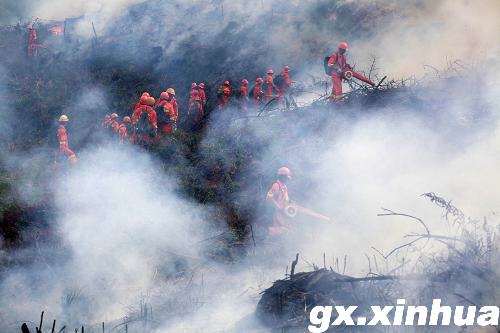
(122, 130)
(270, 87)
(171, 115)
(115, 126)
(227, 94)
(203, 96)
(32, 42)
(175, 105)
(138, 112)
(257, 93)
(286, 83)
(223, 99)
(278, 195)
(244, 97)
(153, 120)
(195, 104)
(338, 63)
(142, 134)
(243, 91)
(62, 137)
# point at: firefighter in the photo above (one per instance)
(106, 122)
(144, 94)
(162, 100)
(285, 84)
(32, 38)
(257, 92)
(114, 125)
(139, 108)
(244, 95)
(145, 121)
(166, 115)
(62, 137)
(171, 115)
(173, 101)
(270, 86)
(278, 197)
(195, 105)
(223, 95)
(337, 64)
(124, 130)
(203, 96)
(193, 93)
(162, 119)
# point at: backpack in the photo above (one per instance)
(143, 123)
(264, 85)
(328, 70)
(220, 91)
(162, 116)
(279, 81)
(53, 141)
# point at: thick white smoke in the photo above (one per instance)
(125, 227)
(120, 219)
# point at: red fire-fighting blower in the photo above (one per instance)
(347, 73)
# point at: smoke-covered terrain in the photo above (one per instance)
(173, 238)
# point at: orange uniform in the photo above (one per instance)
(337, 62)
(243, 91)
(227, 94)
(174, 104)
(269, 93)
(278, 195)
(243, 95)
(145, 132)
(32, 38)
(62, 137)
(203, 96)
(115, 126)
(223, 98)
(285, 73)
(140, 110)
(170, 114)
(195, 103)
(257, 91)
(122, 130)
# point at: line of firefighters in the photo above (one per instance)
(153, 119)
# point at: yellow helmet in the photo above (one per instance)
(171, 91)
(63, 118)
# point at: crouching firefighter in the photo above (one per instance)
(278, 197)
(63, 144)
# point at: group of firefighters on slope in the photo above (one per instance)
(145, 124)
(153, 119)
(262, 92)
(150, 120)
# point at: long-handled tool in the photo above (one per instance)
(292, 210)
